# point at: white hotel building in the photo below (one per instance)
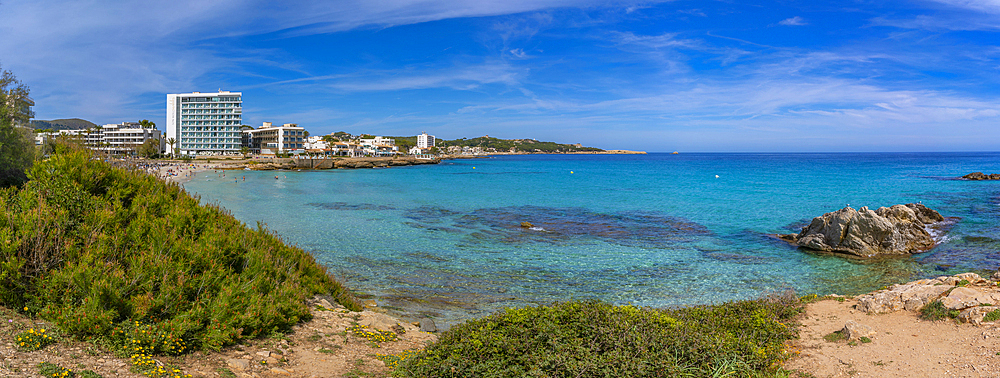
(205, 123)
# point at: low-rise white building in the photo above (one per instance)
(269, 139)
(316, 143)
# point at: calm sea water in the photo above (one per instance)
(656, 230)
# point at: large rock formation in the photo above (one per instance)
(896, 230)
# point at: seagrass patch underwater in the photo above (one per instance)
(651, 230)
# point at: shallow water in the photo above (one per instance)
(657, 230)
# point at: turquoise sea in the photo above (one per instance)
(655, 230)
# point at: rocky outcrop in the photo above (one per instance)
(896, 230)
(976, 176)
(336, 163)
(968, 293)
(354, 163)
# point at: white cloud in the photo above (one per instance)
(467, 77)
(519, 54)
(794, 21)
(986, 6)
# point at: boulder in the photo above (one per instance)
(427, 325)
(381, 322)
(895, 230)
(962, 298)
(919, 296)
(881, 302)
(972, 278)
(975, 315)
(854, 330)
(996, 276)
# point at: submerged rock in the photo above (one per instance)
(895, 230)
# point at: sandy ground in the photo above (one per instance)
(322, 347)
(904, 346)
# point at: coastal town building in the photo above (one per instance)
(270, 139)
(316, 143)
(205, 123)
(465, 150)
(380, 146)
(124, 138)
(425, 141)
(346, 149)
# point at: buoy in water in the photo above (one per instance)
(570, 172)
(716, 176)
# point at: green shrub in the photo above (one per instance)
(94, 248)
(49, 369)
(835, 336)
(595, 339)
(992, 316)
(90, 374)
(936, 311)
(33, 340)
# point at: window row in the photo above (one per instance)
(207, 123)
(183, 117)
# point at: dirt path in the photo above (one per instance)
(903, 346)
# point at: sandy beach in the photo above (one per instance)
(181, 172)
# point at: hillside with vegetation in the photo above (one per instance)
(514, 145)
(114, 254)
(62, 124)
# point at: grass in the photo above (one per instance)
(936, 311)
(835, 336)
(596, 339)
(112, 253)
(992, 316)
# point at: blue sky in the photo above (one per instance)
(715, 76)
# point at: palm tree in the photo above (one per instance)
(171, 142)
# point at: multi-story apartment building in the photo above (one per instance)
(270, 139)
(205, 123)
(425, 141)
(123, 138)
